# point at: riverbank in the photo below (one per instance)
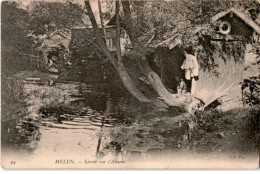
(13, 110)
(71, 119)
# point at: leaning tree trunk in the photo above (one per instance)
(157, 84)
(121, 70)
(151, 76)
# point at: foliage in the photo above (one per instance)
(56, 109)
(251, 91)
(12, 108)
(210, 131)
(250, 87)
(208, 50)
(17, 47)
(160, 15)
(11, 97)
(191, 21)
(137, 137)
(204, 128)
(256, 51)
(251, 127)
(108, 9)
(49, 16)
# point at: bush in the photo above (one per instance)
(252, 128)
(203, 129)
(12, 96)
(56, 109)
(12, 107)
(251, 91)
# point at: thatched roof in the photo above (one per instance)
(239, 14)
(53, 41)
(169, 39)
(63, 34)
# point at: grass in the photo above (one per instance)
(148, 129)
(12, 107)
(235, 131)
(56, 109)
(12, 97)
(252, 127)
(211, 131)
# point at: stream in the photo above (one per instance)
(74, 134)
(71, 125)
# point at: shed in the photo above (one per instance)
(238, 23)
(168, 55)
(55, 44)
(55, 39)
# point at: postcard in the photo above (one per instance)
(105, 84)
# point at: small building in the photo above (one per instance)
(55, 39)
(84, 35)
(167, 57)
(110, 32)
(55, 44)
(235, 22)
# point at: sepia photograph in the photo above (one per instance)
(130, 84)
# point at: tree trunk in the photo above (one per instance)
(151, 76)
(157, 84)
(124, 76)
(101, 18)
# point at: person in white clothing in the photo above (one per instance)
(191, 67)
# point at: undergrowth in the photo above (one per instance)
(12, 108)
(233, 131)
(56, 108)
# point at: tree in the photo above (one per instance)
(139, 49)
(116, 62)
(54, 15)
(183, 16)
(161, 15)
(17, 46)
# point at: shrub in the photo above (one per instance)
(12, 107)
(252, 128)
(12, 96)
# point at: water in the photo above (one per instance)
(85, 132)
(75, 133)
(96, 131)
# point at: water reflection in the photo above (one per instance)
(80, 131)
(86, 131)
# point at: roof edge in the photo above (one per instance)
(239, 14)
